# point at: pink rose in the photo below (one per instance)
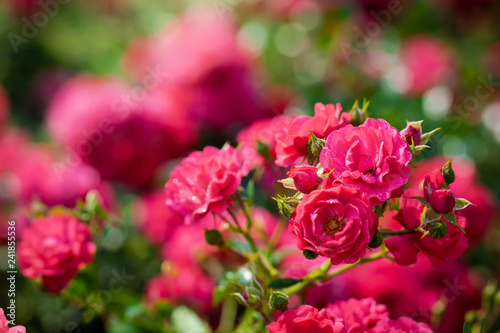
(157, 221)
(305, 177)
(479, 217)
(371, 158)
(307, 319)
(55, 248)
(400, 325)
(183, 284)
(432, 182)
(125, 137)
(442, 201)
(359, 315)
(292, 140)
(406, 247)
(257, 143)
(4, 323)
(337, 223)
(204, 182)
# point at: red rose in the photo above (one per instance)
(307, 319)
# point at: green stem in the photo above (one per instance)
(243, 232)
(321, 274)
(390, 233)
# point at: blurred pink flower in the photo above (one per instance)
(156, 220)
(199, 56)
(4, 323)
(55, 248)
(307, 319)
(479, 217)
(429, 62)
(454, 288)
(4, 108)
(337, 223)
(359, 315)
(126, 134)
(371, 158)
(292, 139)
(204, 182)
(183, 284)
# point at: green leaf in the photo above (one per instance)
(283, 283)
(467, 328)
(422, 201)
(184, 320)
(239, 297)
(462, 203)
(452, 218)
(427, 136)
(251, 189)
(483, 326)
(429, 215)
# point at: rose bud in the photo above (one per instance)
(442, 201)
(305, 178)
(412, 131)
(432, 182)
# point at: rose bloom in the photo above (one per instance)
(337, 223)
(400, 325)
(40, 175)
(292, 140)
(257, 143)
(405, 248)
(429, 62)
(156, 221)
(124, 137)
(199, 55)
(183, 284)
(204, 182)
(307, 319)
(479, 217)
(4, 323)
(454, 288)
(55, 248)
(371, 158)
(359, 315)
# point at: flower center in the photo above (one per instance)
(333, 225)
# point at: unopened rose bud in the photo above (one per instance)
(442, 201)
(448, 173)
(315, 145)
(432, 182)
(305, 178)
(278, 301)
(412, 133)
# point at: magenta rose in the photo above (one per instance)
(204, 182)
(155, 220)
(4, 323)
(406, 247)
(292, 140)
(55, 248)
(359, 315)
(371, 158)
(400, 325)
(337, 223)
(307, 319)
